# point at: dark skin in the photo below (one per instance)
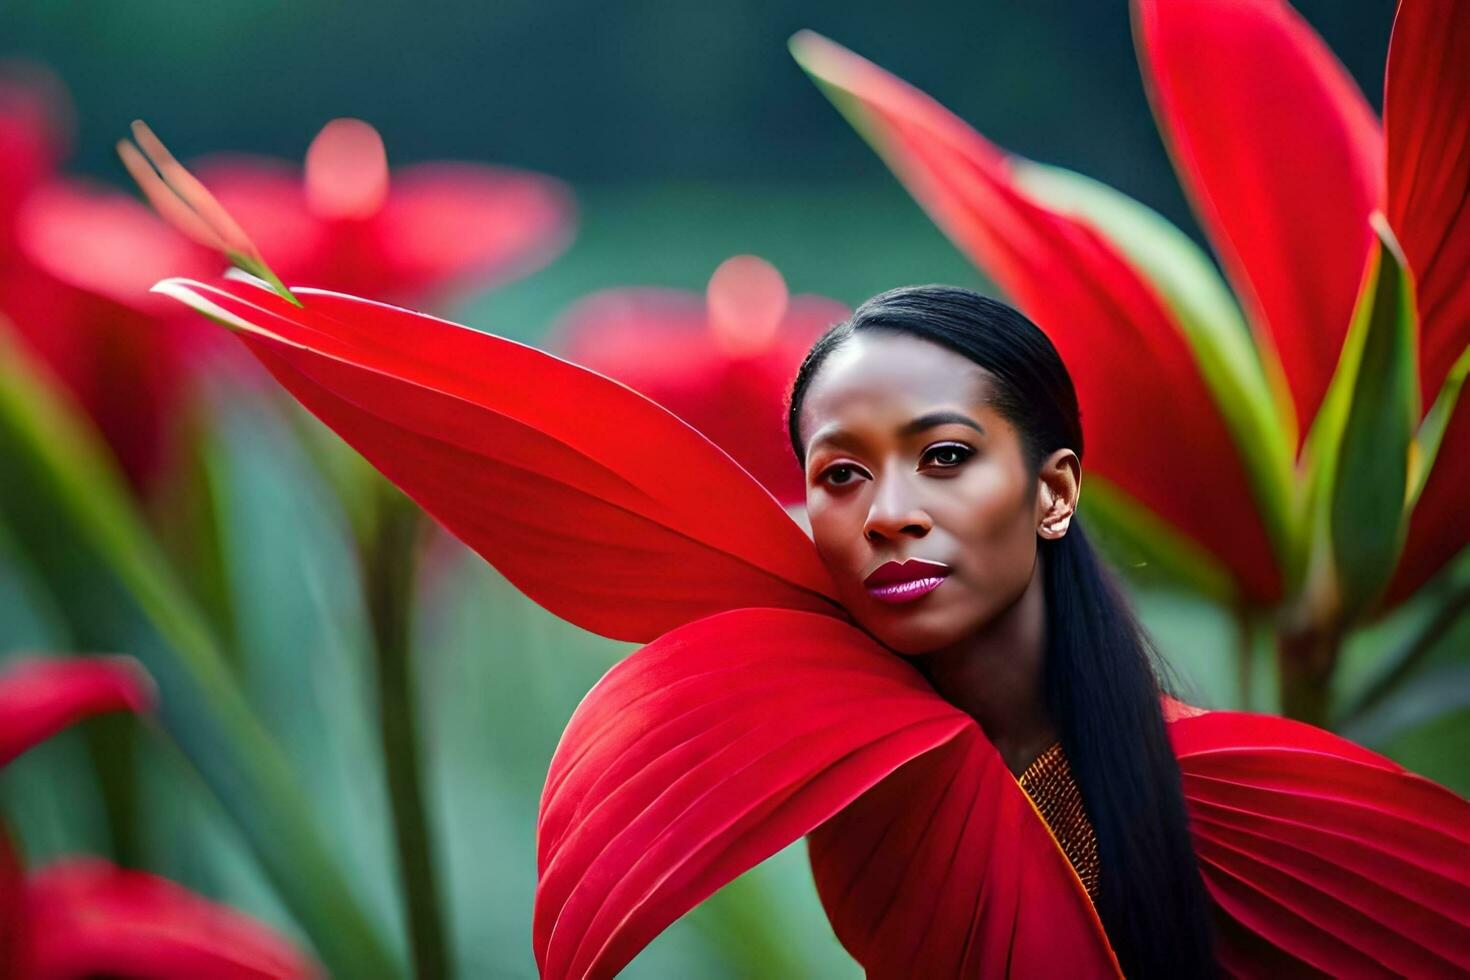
(906, 457)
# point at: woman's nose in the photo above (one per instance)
(894, 514)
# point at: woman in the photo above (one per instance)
(940, 436)
(769, 704)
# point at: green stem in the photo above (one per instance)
(112, 742)
(1245, 655)
(1306, 660)
(389, 568)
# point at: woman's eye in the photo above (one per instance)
(840, 475)
(948, 455)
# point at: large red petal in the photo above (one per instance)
(703, 754)
(1426, 125)
(1427, 128)
(594, 501)
(946, 870)
(38, 698)
(1283, 159)
(1143, 399)
(88, 918)
(1322, 855)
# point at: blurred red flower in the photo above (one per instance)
(82, 917)
(416, 236)
(58, 240)
(721, 362)
(77, 258)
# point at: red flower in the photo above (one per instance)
(721, 362)
(76, 259)
(1284, 161)
(759, 714)
(83, 917)
(75, 263)
(433, 228)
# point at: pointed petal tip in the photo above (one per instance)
(188, 292)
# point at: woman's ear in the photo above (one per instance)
(1056, 501)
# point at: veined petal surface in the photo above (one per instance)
(1321, 855)
(594, 501)
(1427, 131)
(945, 869)
(724, 741)
(1283, 158)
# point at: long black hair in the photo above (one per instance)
(1100, 682)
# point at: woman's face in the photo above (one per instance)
(906, 459)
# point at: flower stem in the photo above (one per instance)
(1306, 660)
(389, 567)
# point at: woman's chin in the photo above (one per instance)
(910, 633)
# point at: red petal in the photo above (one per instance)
(1427, 129)
(1428, 134)
(1284, 161)
(659, 342)
(346, 170)
(1321, 854)
(268, 199)
(946, 870)
(594, 501)
(1143, 399)
(88, 918)
(13, 915)
(1438, 530)
(38, 698)
(449, 226)
(703, 754)
(96, 239)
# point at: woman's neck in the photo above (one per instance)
(997, 678)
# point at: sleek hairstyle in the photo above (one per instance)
(1100, 682)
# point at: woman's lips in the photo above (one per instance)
(905, 581)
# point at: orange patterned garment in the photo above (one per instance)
(1048, 781)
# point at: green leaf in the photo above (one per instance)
(1147, 548)
(1359, 447)
(1432, 429)
(66, 503)
(1210, 322)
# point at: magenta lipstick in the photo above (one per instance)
(905, 581)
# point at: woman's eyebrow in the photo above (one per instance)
(841, 437)
(933, 419)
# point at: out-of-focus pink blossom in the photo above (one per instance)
(722, 361)
(413, 236)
